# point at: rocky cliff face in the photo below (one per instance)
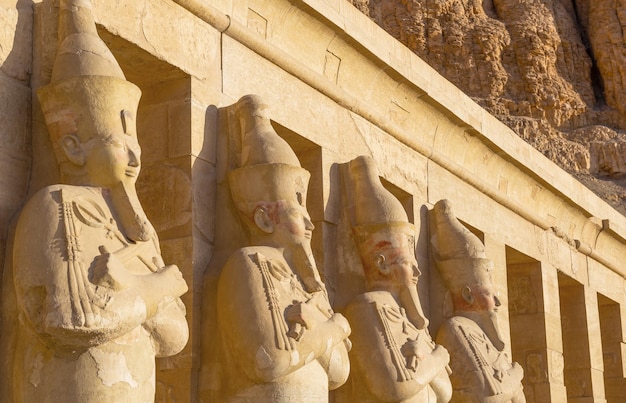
(552, 70)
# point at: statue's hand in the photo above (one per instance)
(108, 270)
(516, 371)
(412, 353)
(305, 314)
(442, 354)
(415, 351)
(161, 288)
(320, 300)
(173, 278)
(341, 320)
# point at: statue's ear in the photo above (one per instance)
(71, 146)
(263, 221)
(381, 265)
(467, 294)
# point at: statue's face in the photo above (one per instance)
(111, 160)
(389, 258)
(404, 270)
(482, 306)
(486, 299)
(403, 275)
(293, 225)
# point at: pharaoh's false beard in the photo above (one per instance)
(409, 300)
(488, 322)
(305, 267)
(129, 213)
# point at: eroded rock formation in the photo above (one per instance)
(551, 70)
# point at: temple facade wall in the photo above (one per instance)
(15, 109)
(338, 87)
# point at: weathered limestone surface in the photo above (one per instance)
(339, 87)
(521, 59)
(16, 44)
(16, 17)
(174, 130)
(15, 123)
(552, 71)
(604, 22)
(157, 26)
(94, 301)
(16, 21)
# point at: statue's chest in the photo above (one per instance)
(89, 230)
(282, 281)
(290, 289)
(483, 346)
(396, 323)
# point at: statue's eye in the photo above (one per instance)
(116, 143)
(119, 144)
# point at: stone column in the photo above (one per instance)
(533, 304)
(582, 347)
(613, 348)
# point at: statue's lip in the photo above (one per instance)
(308, 234)
(132, 172)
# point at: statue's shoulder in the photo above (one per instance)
(40, 227)
(45, 196)
(359, 304)
(45, 208)
(371, 299)
(239, 256)
(250, 258)
(369, 304)
(456, 321)
(456, 328)
(59, 193)
(245, 270)
(42, 205)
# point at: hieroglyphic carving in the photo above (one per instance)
(522, 297)
(557, 365)
(536, 370)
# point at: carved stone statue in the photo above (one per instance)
(281, 340)
(394, 358)
(481, 370)
(97, 303)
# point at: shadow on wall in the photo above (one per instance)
(16, 26)
(232, 236)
